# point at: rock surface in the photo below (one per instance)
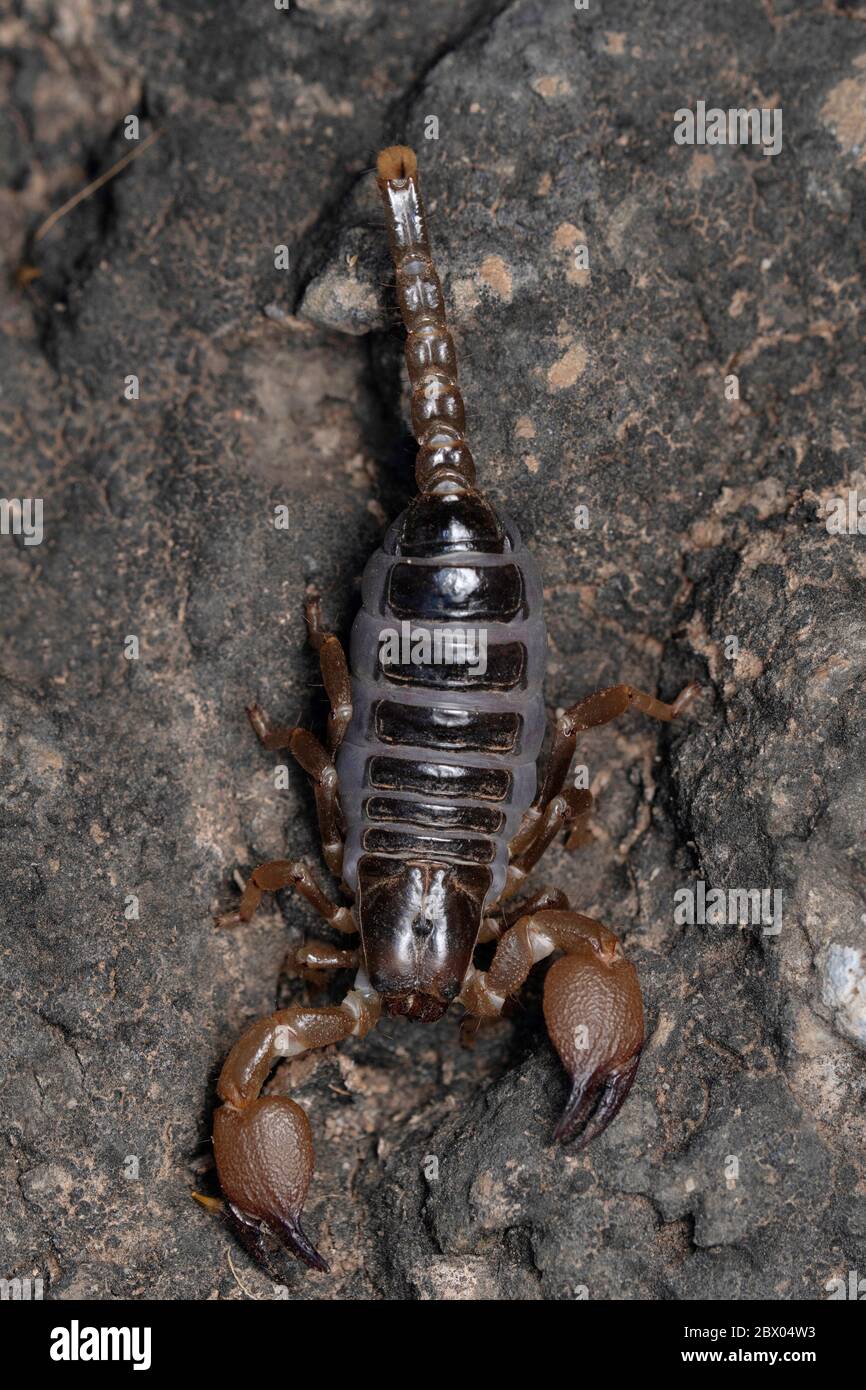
(736, 1167)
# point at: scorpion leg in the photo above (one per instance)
(306, 749)
(594, 711)
(311, 960)
(592, 1008)
(335, 672)
(591, 713)
(321, 955)
(284, 873)
(572, 804)
(262, 1144)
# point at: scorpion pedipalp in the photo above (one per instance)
(265, 1160)
(592, 1007)
(594, 1015)
(263, 1144)
(595, 1100)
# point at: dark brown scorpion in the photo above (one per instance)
(430, 807)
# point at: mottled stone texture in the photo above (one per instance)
(736, 1168)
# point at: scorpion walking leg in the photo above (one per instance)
(335, 673)
(592, 1008)
(321, 955)
(314, 958)
(590, 713)
(262, 1144)
(306, 749)
(283, 873)
(567, 806)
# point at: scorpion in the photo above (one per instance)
(431, 809)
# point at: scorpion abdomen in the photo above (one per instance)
(447, 657)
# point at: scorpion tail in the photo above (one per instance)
(444, 462)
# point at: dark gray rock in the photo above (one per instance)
(735, 1169)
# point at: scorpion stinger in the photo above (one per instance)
(429, 803)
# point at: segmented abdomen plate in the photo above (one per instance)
(447, 657)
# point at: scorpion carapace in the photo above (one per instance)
(430, 808)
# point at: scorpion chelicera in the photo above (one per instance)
(430, 807)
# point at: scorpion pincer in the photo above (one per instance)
(430, 806)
